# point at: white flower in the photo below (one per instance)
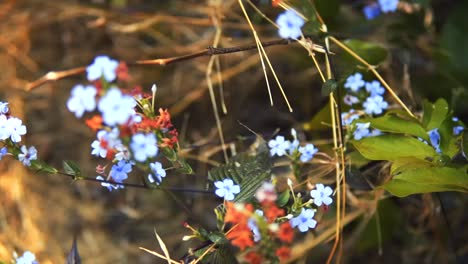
(82, 99)
(144, 146)
(102, 66)
(278, 146)
(27, 155)
(227, 189)
(116, 108)
(290, 23)
(16, 129)
(105, 141)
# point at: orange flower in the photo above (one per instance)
(272, 212)
(94, 123)
(286, 232)
(241, 236)
(122, 72)
(283, 253)
(275, 3)
(253, 258)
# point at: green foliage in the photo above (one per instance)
(306, 7)
(72, 168)
(283, 198)
(371, 52)
(329, 87)
(428, 179)
(393, 147)
(248, 170)
(41, 166)
(434, 114)
(395, 124)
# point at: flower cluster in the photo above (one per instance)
(126, 135)
(364, 95)
(374, 10)
(27, 258)
(281, 147)
(11, 130)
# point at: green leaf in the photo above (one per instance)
(41, 166)
(429, 179)
(248, 170)
(169, 153)
(329, 87)
(393, 147)
(318, 121)
(283, 198)
(394, 124)
(328, 9)
(434, 114)
(464, 144)
(72, 168)
(184, 168)
(306, 8)
(403, 164)
(370, 52)
(217, 238)
(448, 142)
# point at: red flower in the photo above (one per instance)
(272, 212)
(94, 123)
(275, 3)
(122, 72)
(286, 232)
(253, 258)
(283, 253)
(241, 236)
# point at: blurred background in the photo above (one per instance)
(425, 57)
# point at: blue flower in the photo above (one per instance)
(252, 224)
(158, 172)
(109, 186)
(293, 146)
(375, 105)
(27, 155)
(226, 189)
(434, 137)
(102, 66)
(457, 130)
(4, 109)
(371, 11)
(321, 195)
(82, 99)
(350, 100)
(116, 108)
(290, 23)
(361, 131)
(348, 117)
(278, 146)
(374, 88)
(27, 258)
(307, 152)
(354, 82)
(144, 146)
(3, 152)
(119, 172)
(304, 220)
(388, 5)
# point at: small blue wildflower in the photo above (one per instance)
(455, 119)
(16, 129)
(388, 5)
(375, 105)
(371, 11)
(348, 117)
(109, 186)
(3, 152)
(304, 220)
(116, 108)
(354, 82)
(374, 88)
(83, 98)
(27, 258)
(457, 130)
(4, 109)
(144, 146)
(321, 195)
(226, 189)
(293, 147)
(27, 155)
(122, 152)
(350, 99)
(158, 172)
(252, 224)
(278, 146)
(361, 131)
(375, 132)
(307, 152)
(290, 23)
(434, 137)
(119, 172)
(4, 127)
(102, 66)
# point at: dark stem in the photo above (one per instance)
(449, 229)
